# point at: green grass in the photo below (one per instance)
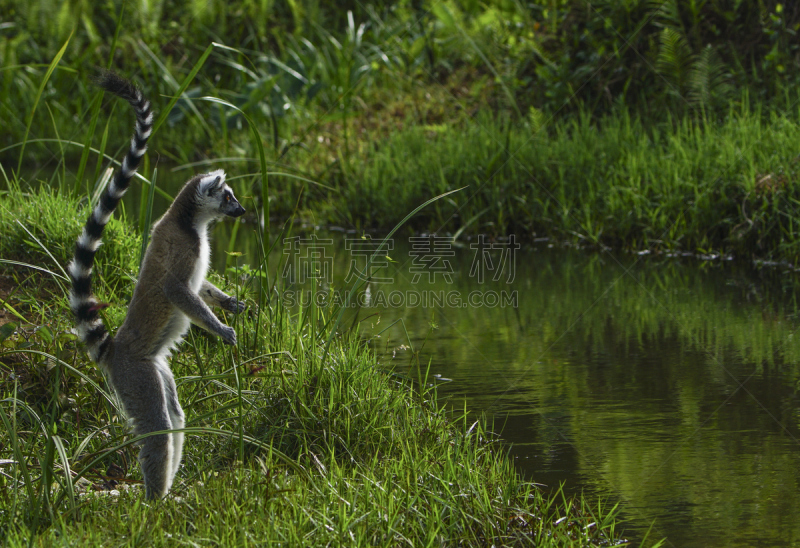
(300, 67)
(286, 442)
(682, 185)
(298, 436)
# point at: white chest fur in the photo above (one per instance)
(201, 268)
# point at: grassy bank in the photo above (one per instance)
(730, 186)
(727, 186)
(287, 442)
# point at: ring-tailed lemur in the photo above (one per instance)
(171, 292)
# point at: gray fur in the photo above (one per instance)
(171, 292)
(166, 299)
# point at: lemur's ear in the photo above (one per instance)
(211, 182)
(213, 186)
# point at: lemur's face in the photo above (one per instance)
(216, 197)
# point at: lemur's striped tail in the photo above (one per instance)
(90, 328)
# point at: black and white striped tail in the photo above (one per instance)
(86, 308)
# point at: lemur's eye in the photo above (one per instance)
(227, 197)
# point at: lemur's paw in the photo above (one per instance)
(235, 306)
(228, 336)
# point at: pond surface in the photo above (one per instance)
(668, 385)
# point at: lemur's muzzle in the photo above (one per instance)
(236, 210)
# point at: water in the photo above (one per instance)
(670, 386)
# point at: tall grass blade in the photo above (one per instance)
(232, 245)
(87, 146)
(61, 162)
(14, 442)
(148, 217)
(33, 266)
(101, 186)
(113, 47)
(174, 83)
(44, 248)
(360, 282)
(186, 81)
(5, 176)
(38, 97)
(62, 454)
(103, 143)
(98, 100)
(257, 143)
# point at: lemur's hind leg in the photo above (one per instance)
(143, 395)
(176, 416)
(215, 297)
